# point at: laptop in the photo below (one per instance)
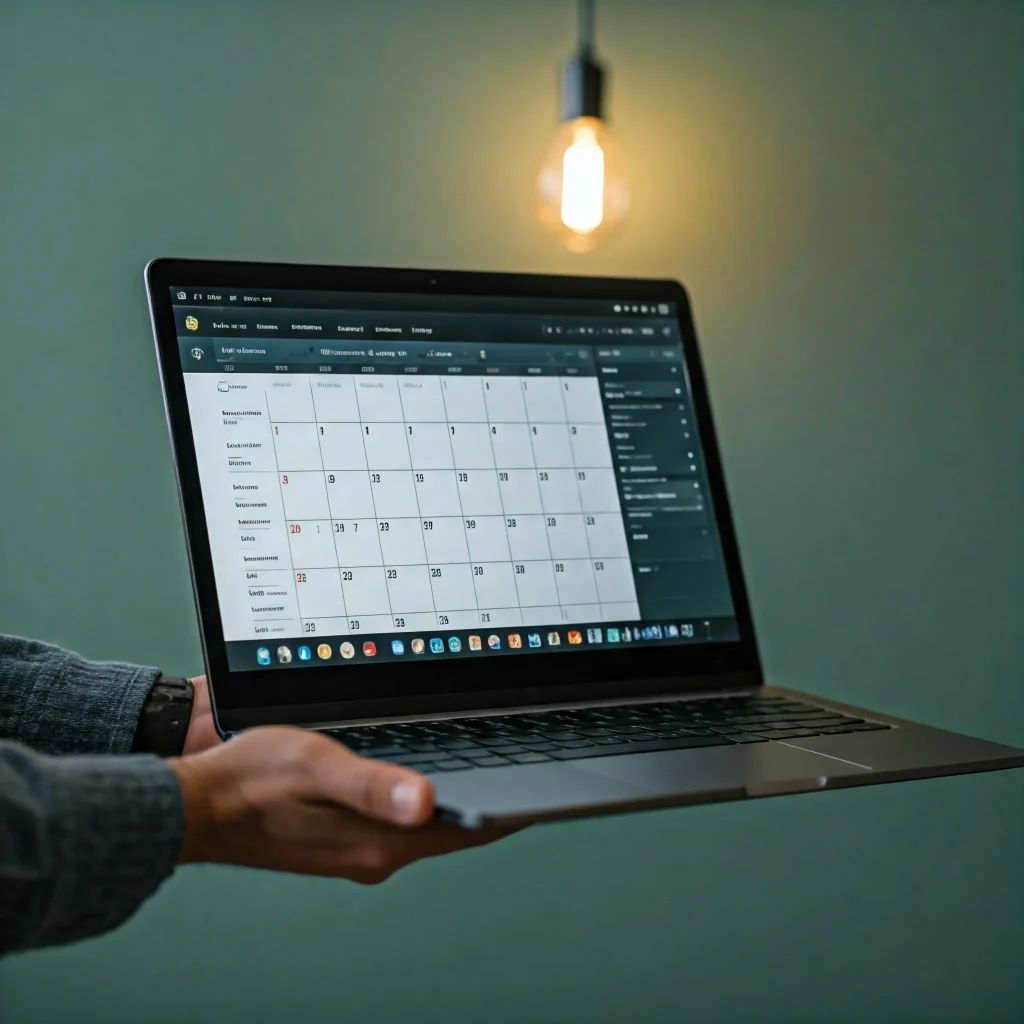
(477, 525)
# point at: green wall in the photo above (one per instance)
(840, 185)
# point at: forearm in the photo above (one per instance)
(61, 703)
(83, 842)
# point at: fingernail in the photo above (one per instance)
(405, 802)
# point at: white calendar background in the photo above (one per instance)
(344, 504)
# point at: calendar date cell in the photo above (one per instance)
(437, 492)
(495, 585)
(341, 445)
(444, 538)
(385, 445)
(305, 495)
(349, 494)
(463, 399)
(365, 590)
(409, 588)
(318, 592)
(452, 586)
(394, 494)
(429, 446)
(356, 542)
(401, 541)
(486, 538)
(297, 447)
(312, 545)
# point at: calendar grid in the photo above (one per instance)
(516, 550)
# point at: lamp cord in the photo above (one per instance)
(585, 26)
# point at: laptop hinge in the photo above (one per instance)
(492, 703)
(526, 709)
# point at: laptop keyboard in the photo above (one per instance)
(458, 744)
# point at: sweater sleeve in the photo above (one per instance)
(83, 842)
(60, 703)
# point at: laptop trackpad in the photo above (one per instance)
(758, 768)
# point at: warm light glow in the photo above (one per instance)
(582, 190)
(583, 182)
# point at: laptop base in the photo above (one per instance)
(523, 794)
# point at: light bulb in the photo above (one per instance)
(582, 189)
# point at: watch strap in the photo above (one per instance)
(166, 713)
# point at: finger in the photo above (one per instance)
(441, 837)
(381, 849)
(386, 847)
(377, 789)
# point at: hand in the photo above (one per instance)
(202, 733)
(289, 799)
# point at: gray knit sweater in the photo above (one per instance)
(86, 833)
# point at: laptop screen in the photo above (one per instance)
(413, 477)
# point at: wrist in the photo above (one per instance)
(197, 810)
(202, 732)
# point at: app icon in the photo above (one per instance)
(284, 654)
(192, 323)
(686, 629)
(515, 641)
(370, 649)
(533, 639)
(305, 653)
(454, 644)
(613, 635)
(475, 644)
(263, 655)
(575, 636)
(645, 633)
(494, 642)
(436, 645)
(627, 634)
(417, 645)
(595, 636)
(397, 647)
(672, 631)
(324, 651)
(656, 632)
(554, 639)
(346, 650)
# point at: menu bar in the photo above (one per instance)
(375, 326)
(247, 298)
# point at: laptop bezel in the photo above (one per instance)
(308, 695)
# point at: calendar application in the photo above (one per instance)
(384, 483)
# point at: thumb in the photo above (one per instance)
(374, 788)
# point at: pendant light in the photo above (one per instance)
(582, 190)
